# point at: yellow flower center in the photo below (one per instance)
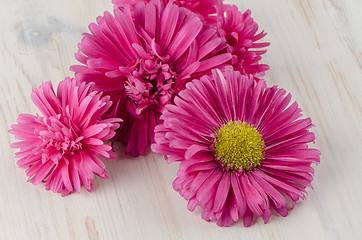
(239, 146)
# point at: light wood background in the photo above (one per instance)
(315, 54)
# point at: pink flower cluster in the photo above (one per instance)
(185, 77)
(145, 53)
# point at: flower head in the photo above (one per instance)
(240, 31)
(205, 9)
(62, 147)
(242, 147)
(142, 62)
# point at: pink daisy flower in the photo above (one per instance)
(143, 62)
(205, 9)
(240, 31)
(242, 147)
(62, 147)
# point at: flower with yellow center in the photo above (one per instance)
(242, 147)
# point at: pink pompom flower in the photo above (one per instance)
(205, 9)
(240, 31)
(243, 148)
(142, 62)
(62, 148)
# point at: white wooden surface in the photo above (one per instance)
(315, 54)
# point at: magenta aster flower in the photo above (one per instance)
(205, 9)
(242, 147)
(62, 147)
(143, 62)
(240, 32)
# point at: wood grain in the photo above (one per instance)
(315, 53)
